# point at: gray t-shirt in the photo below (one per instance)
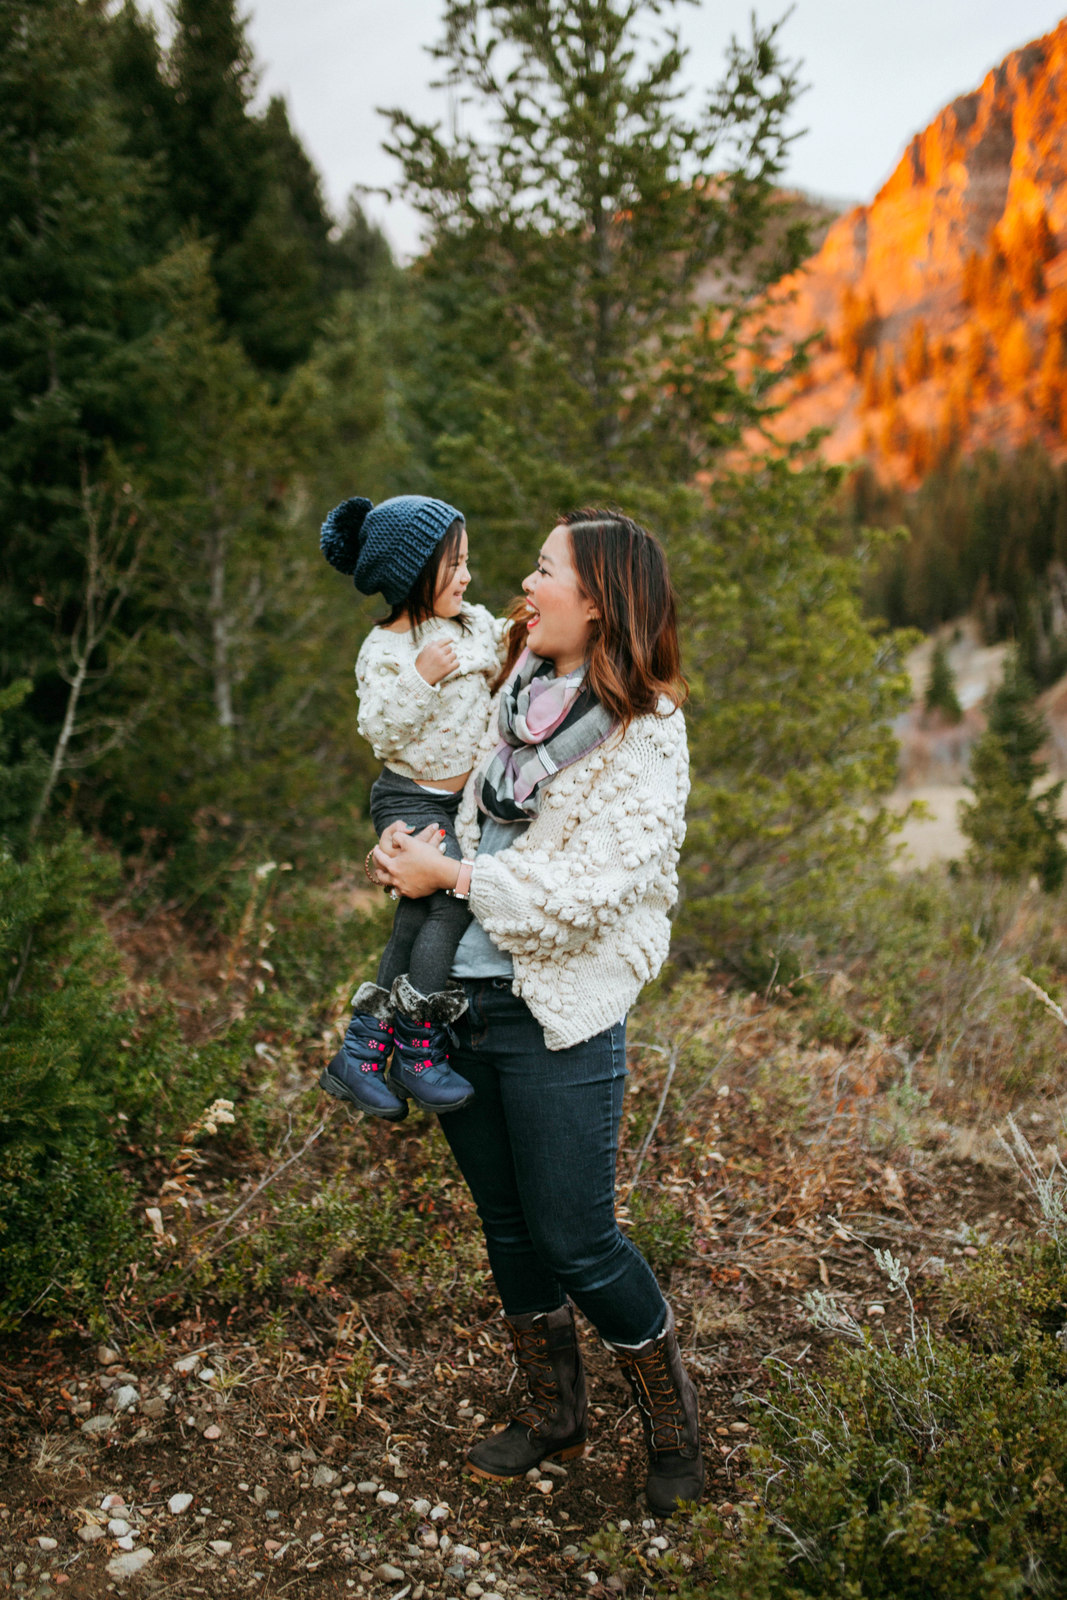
(477, 956)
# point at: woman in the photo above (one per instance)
(576, 810)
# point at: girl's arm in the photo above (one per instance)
(395, 704)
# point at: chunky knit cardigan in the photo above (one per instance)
(419, 729)
(581, 899)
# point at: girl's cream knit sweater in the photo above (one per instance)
(423, 730)
(581, 899)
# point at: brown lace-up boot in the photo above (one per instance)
(552, 1423)
(668, 1404)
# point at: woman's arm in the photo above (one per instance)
(526, 898)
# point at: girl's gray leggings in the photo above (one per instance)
(427, 931)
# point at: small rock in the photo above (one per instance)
(739, 1427)
(324, 1478)
(876, 1310)
(533, 1474)
(125, 1542)
(272, 1516)
(187, 1366)
(421, 1508)
(440, 1513)
(659, 1543)
(386, 1497)
(206, 1375)
(474, 1590)
(260, 1495)
(129, 1563)
(590, 1578)
(45, 1542)
(213, 1431)
(155, 1408)
(91, 1532)
(464, 1553)
(648, 1522)
(118, 1527)
(179, 1503)
(389, 1573)
(554, 1468)
(270, 1545)
(428, 1540)
(107, 1356)
(97, 1424)
(221, 1547)
(544, 1486)
(368, 1486)
(293, 1462)
(625, 1525)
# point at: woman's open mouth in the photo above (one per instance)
(533, 619)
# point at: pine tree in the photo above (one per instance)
(1013, 831)
(564, 350)
(940, 695)
(70, 196)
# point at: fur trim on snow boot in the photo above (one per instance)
(420, 1069)
(357, 1072)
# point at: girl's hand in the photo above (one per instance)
(436, 661)
(413, 864)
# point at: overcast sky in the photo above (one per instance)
(877, 73)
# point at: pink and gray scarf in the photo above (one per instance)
(545, 724)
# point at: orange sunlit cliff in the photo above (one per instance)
(938, 313)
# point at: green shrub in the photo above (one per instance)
(92, 1087)
(935, 1470)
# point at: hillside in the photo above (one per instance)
(937, 314)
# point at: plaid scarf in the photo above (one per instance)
(545, 723)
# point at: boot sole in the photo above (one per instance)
(424, 1105)
(569, 1453)
(340, 1091)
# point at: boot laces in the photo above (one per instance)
(531, 1358)
(656, 1395)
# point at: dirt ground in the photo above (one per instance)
(285, 1494)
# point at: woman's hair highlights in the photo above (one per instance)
(634, 658)
(417, 604)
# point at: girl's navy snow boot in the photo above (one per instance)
(420, 1069)
(357, 1071)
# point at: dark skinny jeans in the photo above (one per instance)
(425, 932)
(537, 1148)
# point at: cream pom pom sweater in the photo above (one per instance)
(581, 900)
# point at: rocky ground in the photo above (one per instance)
(305, 1433)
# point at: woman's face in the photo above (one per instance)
(452, 579)
(563, 616)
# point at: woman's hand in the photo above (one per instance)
(412, 864)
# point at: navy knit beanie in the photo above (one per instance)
(385, 547)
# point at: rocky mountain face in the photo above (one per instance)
(935, 318)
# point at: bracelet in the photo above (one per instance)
(377, 882)
(462, 887)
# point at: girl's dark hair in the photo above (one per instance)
(634, 658)
(417, 604)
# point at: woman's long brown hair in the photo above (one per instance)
(634, 659)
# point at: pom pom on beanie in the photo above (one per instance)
(384, 547)
(342, 533)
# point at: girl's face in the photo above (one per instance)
(453, 576)
(563, 616)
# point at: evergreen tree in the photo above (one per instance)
(791, 699)
(1013, 831)
(70, 196)
(940, 695)
(564, 349)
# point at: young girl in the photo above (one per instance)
(423, 676)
